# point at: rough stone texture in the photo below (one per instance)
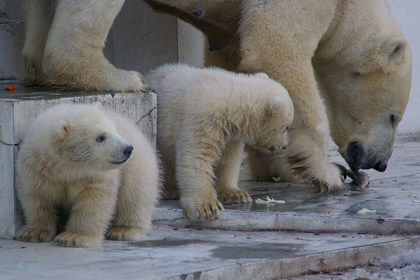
(19, 108)
(194, 253)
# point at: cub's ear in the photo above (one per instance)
(275, 105)
(62, 130)
(98, 105)
(394, 49)
(261, 74)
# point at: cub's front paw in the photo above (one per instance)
(202, 209)
(70, 239)
(234, 196)
(126, 233)
(29, 234)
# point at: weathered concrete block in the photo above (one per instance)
(19, 108)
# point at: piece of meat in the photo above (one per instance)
(360, 179)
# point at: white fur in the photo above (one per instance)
(73, 157)
(64, 42)
(204, 117)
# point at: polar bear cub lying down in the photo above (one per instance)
(204, 118)
(93, 165)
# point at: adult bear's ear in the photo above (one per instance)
(394, 49)
(276, 103)
(62, 130)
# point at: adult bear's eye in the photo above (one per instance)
(100, 138)
(356, 74)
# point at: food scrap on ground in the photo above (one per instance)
(10, 87)
(269, 201)
(366, 211)
(360, 179)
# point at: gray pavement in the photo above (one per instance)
(308, 234)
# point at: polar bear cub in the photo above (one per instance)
(94, 166)
(205, 116)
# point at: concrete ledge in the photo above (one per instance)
(173, 215)
(187, 253)
(19, 108)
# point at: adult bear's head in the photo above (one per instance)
(363, 65)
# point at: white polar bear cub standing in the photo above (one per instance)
(204, 118)
(93, 165)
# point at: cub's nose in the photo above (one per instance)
(128, 150)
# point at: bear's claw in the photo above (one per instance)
(29, 234)
(70, 239)
(234, 196)
(203, 210)
(126, 233)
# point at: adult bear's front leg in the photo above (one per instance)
(39, 16)
(280, 38)
(73, 57)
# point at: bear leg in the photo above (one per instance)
(90, 214)
(137, 197)
(284, 52)
(73, 57)
(194, 175)
(227, 174)
(40, 218)
(39, 16)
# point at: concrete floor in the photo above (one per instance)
(309, 233)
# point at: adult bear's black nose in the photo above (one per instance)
(380, 166)
(127, 150)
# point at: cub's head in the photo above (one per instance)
(89, 139)
(271, 123)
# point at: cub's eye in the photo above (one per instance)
(356, 74)
(100, 138)
(287, 128)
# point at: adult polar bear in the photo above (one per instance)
(355, 48)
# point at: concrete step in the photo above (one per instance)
(18, 109)
(11, 42)
(194, 253)
(392, 200)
